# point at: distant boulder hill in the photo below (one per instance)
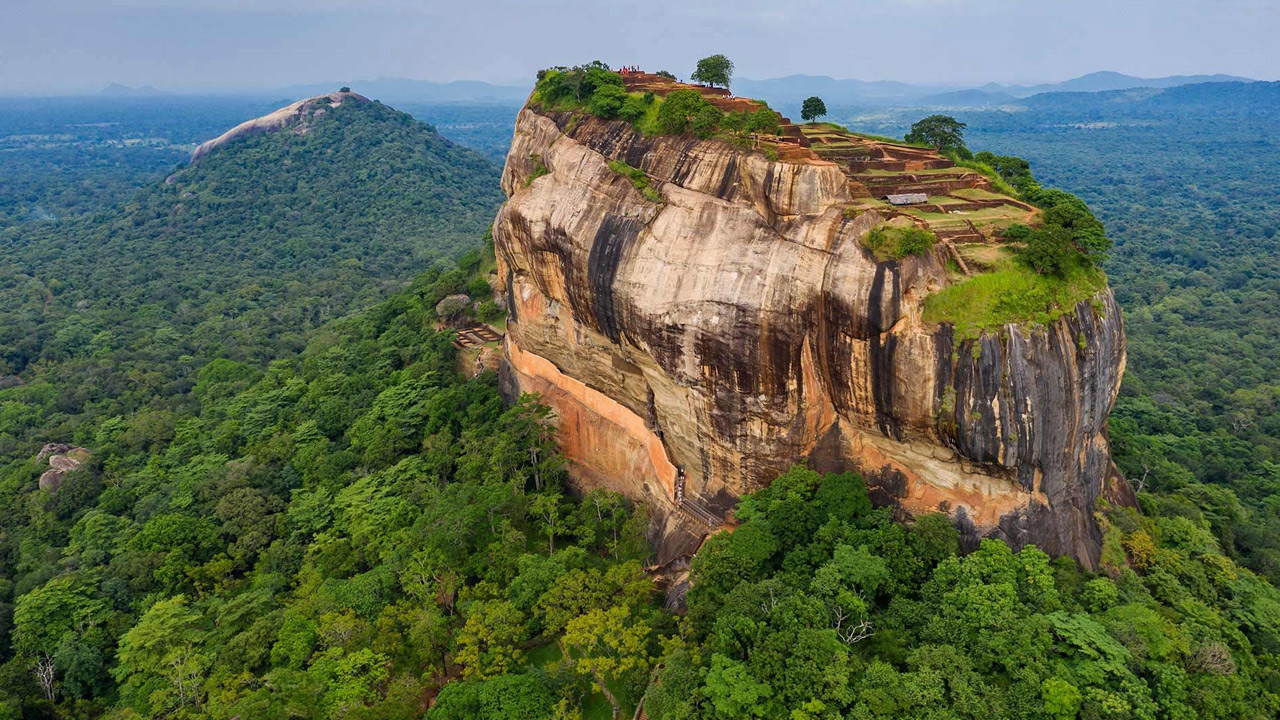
(119, 90)
(296, 117)
(293, 206)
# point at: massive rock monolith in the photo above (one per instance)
(696, 347)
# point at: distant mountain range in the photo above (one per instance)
(794, 88)
(1229, 98)
(790, 90)
(968, 98)
(1103, 81)
(779, 92)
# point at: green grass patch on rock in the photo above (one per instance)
(894, 243)
(977, 194)
(647, 123)
(638, 179)
(999, 183)
(539, 169)
(1012, 293)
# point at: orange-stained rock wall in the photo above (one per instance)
(604, 440)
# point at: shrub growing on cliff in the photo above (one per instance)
(635, 106)
(742, 125)
(679, 109)
(607, 101)
(1049, 250)
(707, 121)
(895, 243)
(539, 169)
(638, 179)
(1011, 168)
(577, 85)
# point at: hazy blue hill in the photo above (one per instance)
(1200, 99)
(1107, 80)
(1253, 97)
(1231, 98)
(968, 98)
(792, 89)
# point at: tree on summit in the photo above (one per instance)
(813, 109)
(714, 70)
(941, 132)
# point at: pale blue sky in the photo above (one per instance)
(49, 46)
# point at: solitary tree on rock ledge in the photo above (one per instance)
(813, 109)
(941, 132)
(714, 70)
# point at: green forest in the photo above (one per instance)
(296, 506)
(318, 538)
(359, 530)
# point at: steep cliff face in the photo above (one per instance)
(696, 347)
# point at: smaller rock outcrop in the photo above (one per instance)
(62, 459)
(296, 117)
(452, 306)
